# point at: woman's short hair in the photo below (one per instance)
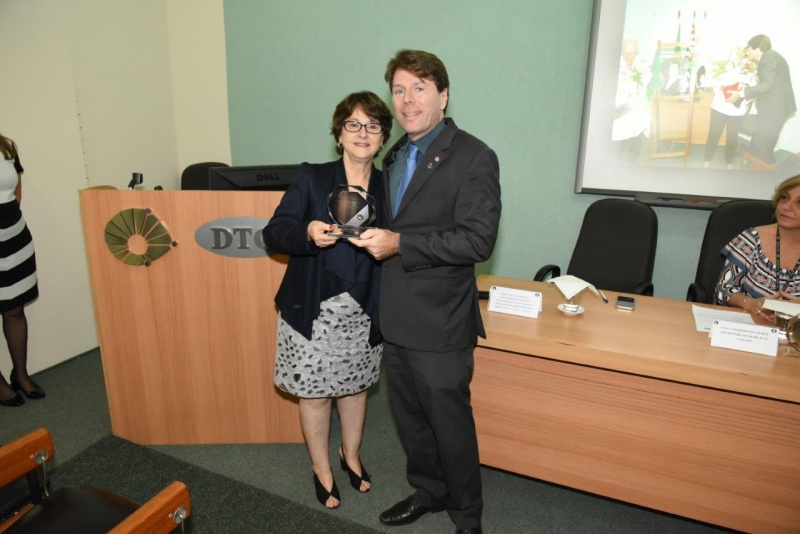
(783, 187)
(372, 106)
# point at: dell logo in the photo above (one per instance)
(267, 177)
(236, 237)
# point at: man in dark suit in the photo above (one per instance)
(773, 94)
(443, 221)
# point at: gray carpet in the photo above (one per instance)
(76, 413)
(219, 504)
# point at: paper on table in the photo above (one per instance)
(782, 306)
(572, 285)
(704, 317)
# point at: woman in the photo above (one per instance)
(329, 345)
(17, 278)
(764, 262)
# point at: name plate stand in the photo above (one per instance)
(515, 301)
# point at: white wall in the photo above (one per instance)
(89, 94)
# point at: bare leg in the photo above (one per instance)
(315, 419)
(352, 411)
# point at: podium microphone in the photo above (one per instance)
(136, 179)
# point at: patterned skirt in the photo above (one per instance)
(338, 359)
(18, 285)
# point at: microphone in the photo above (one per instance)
(136, 179)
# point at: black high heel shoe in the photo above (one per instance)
(355, 480)
(35, 394)
(323, 495)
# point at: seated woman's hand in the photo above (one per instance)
(755, 307)
(788, 296)
(318, 233)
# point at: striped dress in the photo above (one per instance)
(17, 259)
(747, 270)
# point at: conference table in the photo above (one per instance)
(638, 406)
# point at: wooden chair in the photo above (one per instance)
(78, 509)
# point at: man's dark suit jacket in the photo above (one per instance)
(313, 274)
(773, 94)
(447, 221)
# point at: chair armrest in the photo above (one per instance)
(697, 293)
(645, 288)
(547, 272)
(19, 457)
(158, 514)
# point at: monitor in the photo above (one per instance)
(251, 178)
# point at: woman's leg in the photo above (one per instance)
(352, 411)
(15, 329)
(315, 420)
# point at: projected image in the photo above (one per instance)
(692, 97)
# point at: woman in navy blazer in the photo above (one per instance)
(329, 344)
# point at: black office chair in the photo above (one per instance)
(616, 247)
(195, 176)
(725, 222)
(30, 506)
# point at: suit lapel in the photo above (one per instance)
(436, 154)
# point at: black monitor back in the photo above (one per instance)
(251, 178)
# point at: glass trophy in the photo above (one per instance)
(352, 209)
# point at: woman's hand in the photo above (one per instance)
(755, 307)
(317, 233)
(788, 296)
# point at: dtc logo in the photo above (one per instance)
(236, 237)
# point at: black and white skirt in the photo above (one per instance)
(338, 359)
(18, 284)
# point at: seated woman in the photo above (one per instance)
(763, 263)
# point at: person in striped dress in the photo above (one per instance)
(18, 285)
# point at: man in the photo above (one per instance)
(441, 223)
(631, 113)
(773, 95)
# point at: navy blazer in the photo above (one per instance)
(315, 274)
(448, 221)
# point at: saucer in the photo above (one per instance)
(561, 308)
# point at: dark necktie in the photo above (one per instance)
(411, 166)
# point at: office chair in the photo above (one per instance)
(195, 176)
(616, 247)
(726, 222)
(37, 509)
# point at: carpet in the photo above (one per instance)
(219, 504)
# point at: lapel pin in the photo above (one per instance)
(430, 165)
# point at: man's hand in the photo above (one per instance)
(380, 243)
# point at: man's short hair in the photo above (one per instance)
(761, 42)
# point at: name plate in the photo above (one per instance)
(745, 337)
(515, 301)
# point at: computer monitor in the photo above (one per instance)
(251, 178)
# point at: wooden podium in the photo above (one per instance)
(187, 342)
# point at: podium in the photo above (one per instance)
(186, 321)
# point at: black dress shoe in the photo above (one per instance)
(474, 530)
(36, 393)
(407, 511)
(13, 402)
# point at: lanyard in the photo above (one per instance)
(793, 272)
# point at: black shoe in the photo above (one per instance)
(355, 480)
(13, 402)
(36, 393)
(474, 530)
(407, 511)
(323, 495)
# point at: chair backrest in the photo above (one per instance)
(726, 222)
(616, 247)
(195, 176)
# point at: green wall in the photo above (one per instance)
(517, 71)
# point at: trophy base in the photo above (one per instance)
(346, 232)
